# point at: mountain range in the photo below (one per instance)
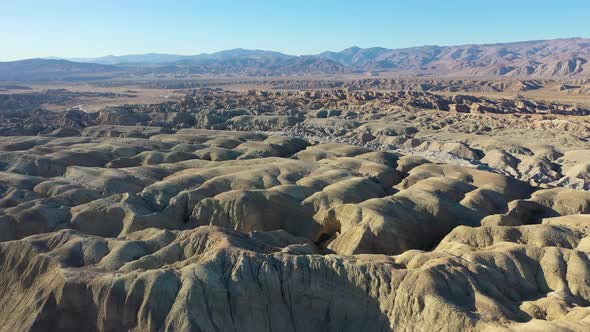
(557, 58)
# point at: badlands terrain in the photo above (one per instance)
(423, 189)
(295, 209)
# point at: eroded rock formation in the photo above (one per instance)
(210, 230)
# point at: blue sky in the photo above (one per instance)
(68, 28)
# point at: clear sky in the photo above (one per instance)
(88, 28)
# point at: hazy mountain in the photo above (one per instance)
(355, 56)
(236, 61)
(150, 58)
(52, 69)
(157, 58)
(531, 59)
(254, 63)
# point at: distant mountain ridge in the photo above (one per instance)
(53, 70)
(557, 58)
(530, 59)
(160, 58)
